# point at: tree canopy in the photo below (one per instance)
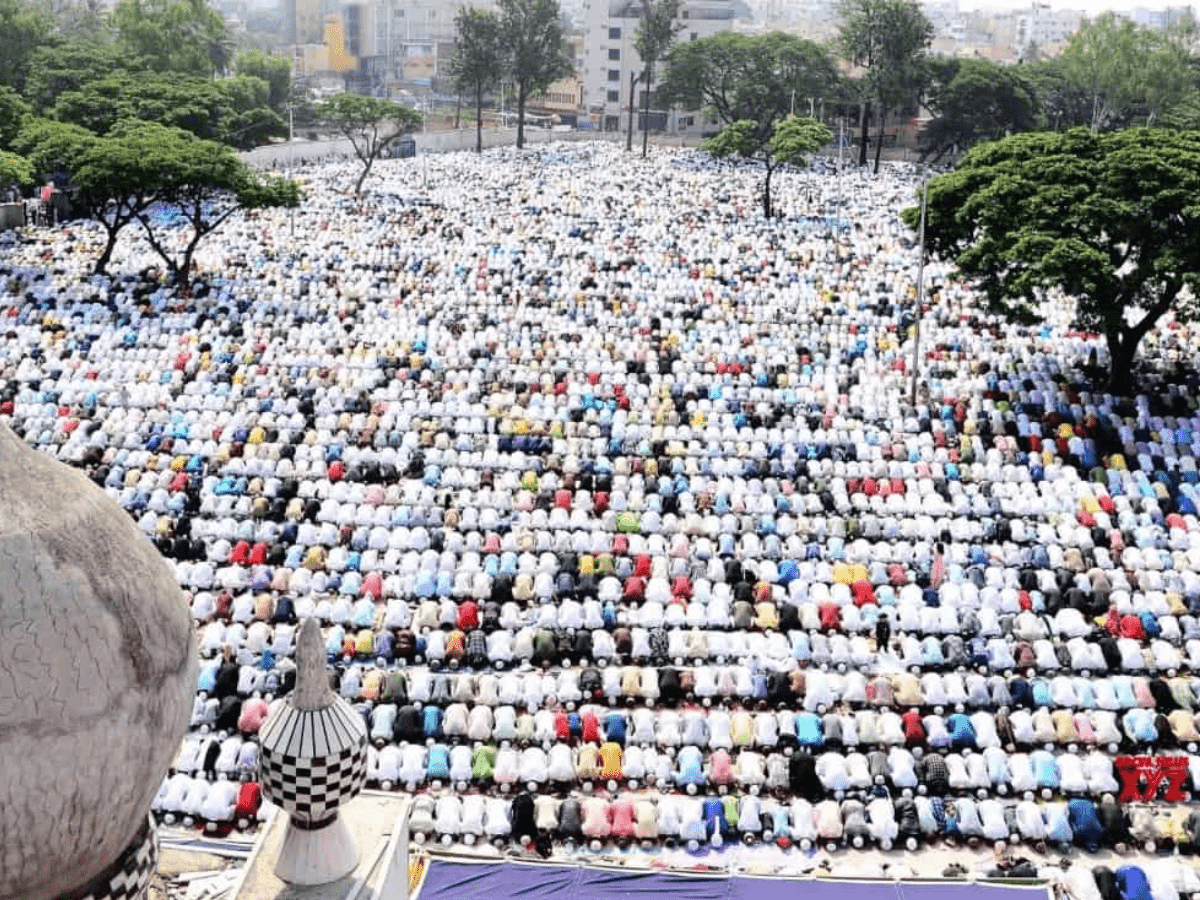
(23, 28)
(370, 124)
(792, 140)
(887, 40)
(69, 66)
(1109, 219)
(276, 71)
(231, 110)
(478, 60)
(536, 54)
(741, 77)
(1132, 75)
(14, 112)
(975, 100)
(14, 169)
(118, 178)
(185, 36)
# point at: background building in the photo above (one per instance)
(610, 57)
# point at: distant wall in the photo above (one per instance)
(430, 142)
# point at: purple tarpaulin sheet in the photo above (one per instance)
(501, 881)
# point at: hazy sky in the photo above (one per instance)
(1091, 7)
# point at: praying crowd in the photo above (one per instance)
(621, 526)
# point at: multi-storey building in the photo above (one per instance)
(611, 61)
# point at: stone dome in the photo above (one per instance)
(97, 671)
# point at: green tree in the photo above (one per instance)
(1132, 75)
(370, 124)
(1109, 219)
(656, 33)
(232, 110)
(23, 28)
(478, 60)
(887, 39)
(14, 170)
(53, 147)
(203, 181)
(1062, 103)
(532, 33)
(71, 66)
(107, 183)
(792, 141)
(975, 100)
(276, 71)
(742, 77)
(14, 112)
(182, 36)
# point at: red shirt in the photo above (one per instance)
(620, 813)
(914, 729)
(591, 727)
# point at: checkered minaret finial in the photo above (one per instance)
(313, 751)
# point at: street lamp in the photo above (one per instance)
(916, 361)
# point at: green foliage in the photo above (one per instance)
(1107, 218)
(738, 138)
(276, 71)
(70, 66)
(536, 55)
(179, 36)
(975, 100)
(370, 124)
(791, 141)
(23, 28)
(478, 60)
(142, 163)
(796, 138)
(1131, 75)
(231, 110)
(743, 77)
(14, 169)
(14, 112)
(1062, 103)
(52, 147)
(887, 39)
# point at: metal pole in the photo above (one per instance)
(916, 360)
(837, 213)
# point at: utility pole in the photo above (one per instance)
(837, 213)
(916, 360)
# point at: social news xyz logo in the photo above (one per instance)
(1142, 776)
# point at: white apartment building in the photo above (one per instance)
(1045, 27)
(610, 57)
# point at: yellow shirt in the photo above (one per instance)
(611, 760)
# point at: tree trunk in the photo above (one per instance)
(1122, 348)
(646, 112)
(457, 110)
(101, 267)
(633, 80)
(879, 138)
(479, 117)
(767, 193)
(862, 143)
(363, 176)
(520, 115)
